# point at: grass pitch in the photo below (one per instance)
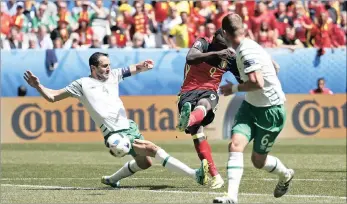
(70, 173)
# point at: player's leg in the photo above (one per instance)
(270, 123)
(204, 151)
(207, 100)
(240, 137)
(147, 148)
(139, 163)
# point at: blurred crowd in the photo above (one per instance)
(167, 24)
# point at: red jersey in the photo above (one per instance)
(5, 23)
(204, 76)
(161, 11)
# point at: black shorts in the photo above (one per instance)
(193, 98)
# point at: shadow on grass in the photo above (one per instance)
(140, 187)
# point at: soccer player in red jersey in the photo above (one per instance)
(206, 63)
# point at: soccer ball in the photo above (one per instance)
(119, 145)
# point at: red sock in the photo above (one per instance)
(204, 152)
(196, 116)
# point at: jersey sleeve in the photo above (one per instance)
(250, 59)
(201, 44)
(75, 89)
(121, 73)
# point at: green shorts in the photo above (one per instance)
(132, 133)
(263, 124)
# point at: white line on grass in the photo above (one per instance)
(171, 179)
(164, 191)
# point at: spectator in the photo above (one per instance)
(339, 32)
(196, 17)
(321, 89)
(206, 9)
(5, 21)
(19, 19)
(13, 40)
(333, 13)
(138, 40)
(343, 23)
(201, 32)
(247, 22)
(266, 36)
(29, 10)
(62, 31)
(112, 42)
(245, 17)
(302, 24)
(85, 32)
(63, 12)
(210, 30)
(44, 39)
(58, 43)
(41, 19)
(96, 43)
(180, 33)
(22, 91)
(33, 42)
(161, 10)
(322, 32)
(283, 21)
(84, 14)
(263, 15)
(139, 21)
(271, 5)
(222, 10)
(289, 41)
(149, 39)
(12, 7)
(173, 20)
(120, 34)
(100, 20)
(77, 8)
(52, 9)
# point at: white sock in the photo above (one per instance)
(274, 165)
(173, 164)
(127, 170)
(235, 171)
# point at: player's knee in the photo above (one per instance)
(236, 146)
(145, 165)
(238, 143)
(258, 160)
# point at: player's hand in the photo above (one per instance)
(225, 54)
(145, 65)
(226, 89)
(31, 79)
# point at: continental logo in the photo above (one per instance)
(30, 120)
(309, 117)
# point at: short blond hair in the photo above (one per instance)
(232, 24)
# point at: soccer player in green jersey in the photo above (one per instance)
(261, 116)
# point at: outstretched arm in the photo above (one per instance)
(141, 66)
(49, 94)
(133, 69)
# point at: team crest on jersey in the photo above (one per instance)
(197, 44)
(223, 64)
